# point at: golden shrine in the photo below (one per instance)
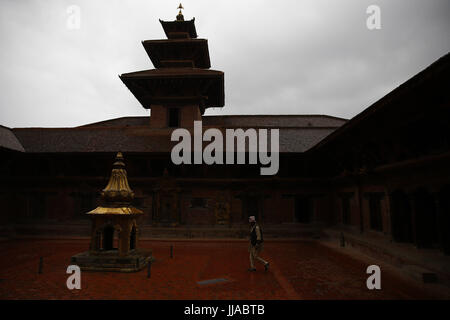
(114, 236)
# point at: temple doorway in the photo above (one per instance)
(133, 238)
(426, 224)
(302, 209)
(444, 218)
(108, 238)
(401, 217)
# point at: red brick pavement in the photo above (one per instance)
(299, 270)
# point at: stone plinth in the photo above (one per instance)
(109, 260)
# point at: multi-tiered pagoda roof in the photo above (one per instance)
(182, 72)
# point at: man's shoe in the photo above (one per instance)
(252, 269)
(266, 266)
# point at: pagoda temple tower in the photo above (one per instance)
(182, 86)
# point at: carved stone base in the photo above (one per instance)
(111, 261)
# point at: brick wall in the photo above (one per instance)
(158, 118)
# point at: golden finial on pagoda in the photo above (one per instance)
(180, 16)
(117, 195)
(118, 189)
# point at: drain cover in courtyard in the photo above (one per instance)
(212, 281)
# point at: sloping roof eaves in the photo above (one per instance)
(122, 121)
(9, 141)
(285, 121)
(256, 121)
(431, 71)
(139, 139)
(98, 139)
(172, 73)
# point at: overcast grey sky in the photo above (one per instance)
(279, 57)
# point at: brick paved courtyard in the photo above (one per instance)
(299, 270)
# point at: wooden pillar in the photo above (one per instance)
(360, 207)
(412, 203)
(393, 212)
(388, 213)
(93, 243)
(440, 221)
(136, 236)
(444, 210)
(124, 238)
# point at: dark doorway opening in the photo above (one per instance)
(98, 241)
(376, 220)
(401, 217)
(174, 117)
(345, 210)
(444, 219)
(426, 223)
(302, 210)
(108, 238)
(166, 211)
(133, 238)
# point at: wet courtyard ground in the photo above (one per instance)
(199, 270)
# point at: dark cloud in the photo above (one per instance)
(279, 57)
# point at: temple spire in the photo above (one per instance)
(117, 195)
(180, 16)
(118, 189)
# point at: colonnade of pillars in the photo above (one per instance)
(421, 216)
(110, 238)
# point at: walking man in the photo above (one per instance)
(256, 244)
